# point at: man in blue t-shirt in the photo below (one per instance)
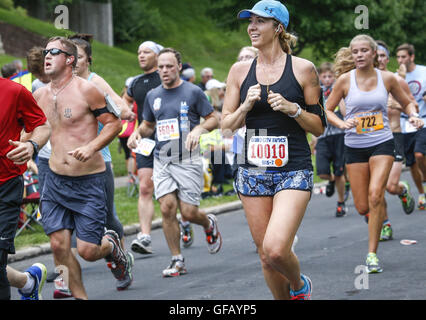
(173, 110)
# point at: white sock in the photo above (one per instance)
(29, 285)
(178, 257)
(185, 223)
(146, 236)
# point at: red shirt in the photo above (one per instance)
(18, 110)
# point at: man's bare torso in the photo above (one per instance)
(73, 125)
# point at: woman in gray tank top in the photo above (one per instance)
(369, 145)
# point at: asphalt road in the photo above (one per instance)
(329, 250)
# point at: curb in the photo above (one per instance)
(132, 229)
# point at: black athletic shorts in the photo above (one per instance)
(414, 142)
(356, 155)
(127, 151)
(11, 193)
(398, 137)
(145, 162)
(409, 143)
(330, 150)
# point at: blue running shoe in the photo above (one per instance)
(305, 293)
(39, 272)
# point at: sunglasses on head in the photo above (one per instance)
(54, 52)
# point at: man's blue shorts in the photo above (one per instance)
(75, 203)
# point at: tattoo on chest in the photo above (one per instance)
(67, 113)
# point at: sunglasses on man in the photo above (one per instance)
(55, 52)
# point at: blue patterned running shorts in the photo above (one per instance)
(252, 182)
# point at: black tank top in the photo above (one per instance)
(262, 116)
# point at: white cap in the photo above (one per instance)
(213, 83)
(152, 45)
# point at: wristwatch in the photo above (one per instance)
(36, 148)
(298, 112)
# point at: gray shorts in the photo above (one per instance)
(186, 177)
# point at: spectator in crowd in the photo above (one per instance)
(8, 70)
(247, 54)
(206, 75)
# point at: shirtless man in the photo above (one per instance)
(74, 191)
(394, 185)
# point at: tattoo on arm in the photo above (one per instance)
(314, 77)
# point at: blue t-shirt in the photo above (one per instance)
(182, 106)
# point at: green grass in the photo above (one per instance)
(115, 65)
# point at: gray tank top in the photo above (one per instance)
(371, 109)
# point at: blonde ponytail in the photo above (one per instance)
(343, 61)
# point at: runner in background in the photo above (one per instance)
(369, 143)
(137, 91)
(394, 185)
(329, 147)
(414, 142)
(173, 110)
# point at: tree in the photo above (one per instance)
(327, 25)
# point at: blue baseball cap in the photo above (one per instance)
(267, 9)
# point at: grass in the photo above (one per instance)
(113, 64)
(127, 210)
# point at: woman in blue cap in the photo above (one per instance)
(277, 96)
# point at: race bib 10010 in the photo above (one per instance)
(168, 129)
(265, 151)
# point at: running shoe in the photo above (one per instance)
(187, 234)
(329, 189)
(117, 259)
(142, 244)
(51, 276)
(61, 291)
(305, 293)
(422, 202)
(128, 279)
(39, 272)
(386, 233)
(372, 263)
(62, 294)
(347, 190)
(175, 268)
(213, 236)
(341, 210)
(407, 199)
